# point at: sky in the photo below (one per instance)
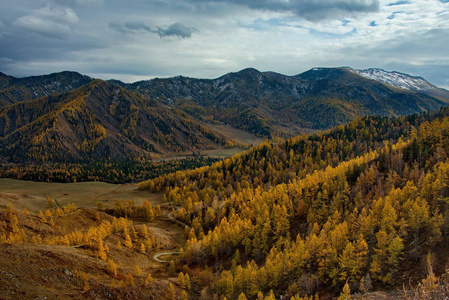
(142, 39)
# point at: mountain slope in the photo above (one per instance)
(361, 206)
(97, 121)
(19, 89)
(361, 96)
(264, 104)
(403, 81)
(269, 103)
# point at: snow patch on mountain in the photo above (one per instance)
(396, 79)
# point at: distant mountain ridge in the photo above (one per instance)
(71, 116)
(317, 99)
(18, 89)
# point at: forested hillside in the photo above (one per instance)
(117, 171)
(360, 207)
(98, 121)
(68, 117)
(265, 104)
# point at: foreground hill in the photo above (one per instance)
(96, 121)
(83, 254)
(354, 209)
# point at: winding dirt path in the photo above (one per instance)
(156, 256)
(172, 219)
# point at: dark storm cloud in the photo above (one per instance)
(178, 30)
(26, 47)
(311, 10)
(78, 2)
(324, 9)
(139, 25)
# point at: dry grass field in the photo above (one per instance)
(33, 195)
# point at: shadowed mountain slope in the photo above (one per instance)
(270, 103)
(19, 89)
(97, 121)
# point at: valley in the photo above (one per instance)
(240, 211)
(224, 150)
(85, 118)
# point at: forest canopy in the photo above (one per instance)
(362, 205)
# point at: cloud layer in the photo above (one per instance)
(310, 9)
(177, 29)
(138, 39)
(51, 22)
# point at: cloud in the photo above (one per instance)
(117, 26)
(328, 9)
(78, 2)
(402, 2)
(129, 27)
(177, 29)
(312, 10)
(2, 29)
(49, 22)
(285, 36)
(139, 25)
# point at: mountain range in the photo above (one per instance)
(69, 116)
(264, 103)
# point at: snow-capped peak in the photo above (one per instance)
(396, 79)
